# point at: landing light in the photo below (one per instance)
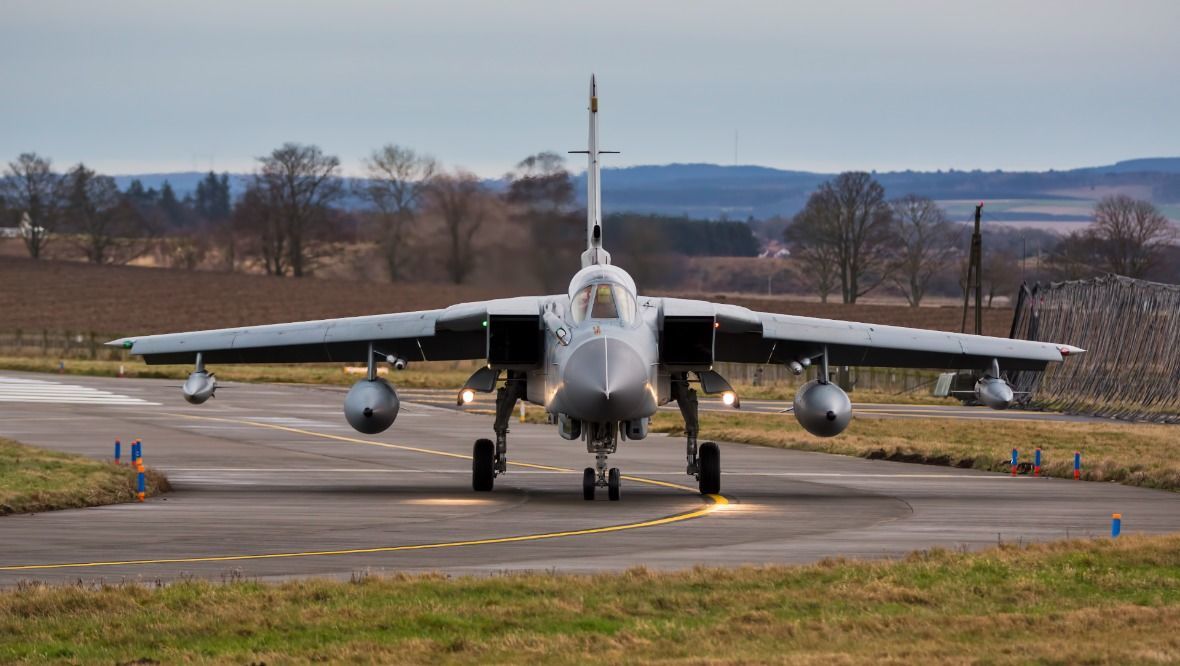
(729, 397)
(466, 396)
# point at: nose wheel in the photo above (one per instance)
(591, 481)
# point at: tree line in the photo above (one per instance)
(298, 209)
(850, 239)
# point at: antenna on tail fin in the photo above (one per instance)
(594, 253)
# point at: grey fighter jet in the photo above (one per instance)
(600, 358)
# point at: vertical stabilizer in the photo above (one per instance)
(594, 253)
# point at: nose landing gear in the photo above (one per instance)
(601, 441)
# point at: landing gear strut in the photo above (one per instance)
(490, 459)
(704, 463)
(601, 440)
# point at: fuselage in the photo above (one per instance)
(607, 368)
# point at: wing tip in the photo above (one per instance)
(1070, 350)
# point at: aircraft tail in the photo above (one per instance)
(594, 253)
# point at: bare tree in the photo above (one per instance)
(816, 252)
(462, 205)
(397, 181)
(30, 189)
(260, 218)
(1131, 233)
(849, 218)
(108, 227)
(925, 244)
(300, 183)
(541, 196)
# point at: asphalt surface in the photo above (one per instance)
(270, 482)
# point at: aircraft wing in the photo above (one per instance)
(745, 336)
(455, 333)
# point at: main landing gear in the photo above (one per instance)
(490, 459)
(601, 440)
(704, 462)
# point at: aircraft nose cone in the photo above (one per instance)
(606, 380)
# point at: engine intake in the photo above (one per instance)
(822, 408)
(371, 406)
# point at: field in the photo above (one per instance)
(1098, 601)
(34, 479)
(1133, 454)
(60, 296)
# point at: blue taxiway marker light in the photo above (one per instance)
(1116, 525)
(1077, 465)
(118, 450)
(1015, 460)
(1037, 462)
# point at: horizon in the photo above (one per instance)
(132, 88)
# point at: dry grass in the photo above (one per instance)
(1096, 601)
(34, 479)
(1134, 454)
(449, 375)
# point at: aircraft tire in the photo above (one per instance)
(613, 482)
(483, 465)
(588, 480)
(709, 459)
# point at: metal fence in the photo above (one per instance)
(1130, 330)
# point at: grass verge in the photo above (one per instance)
(34, 479)
(440, 375)
(1131, 453)
(419, 375)
(1097, 601)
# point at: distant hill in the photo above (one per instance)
(711, 191)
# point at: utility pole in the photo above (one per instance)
(974, 276)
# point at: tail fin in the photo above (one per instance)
(594, 253)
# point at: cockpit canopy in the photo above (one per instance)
(603, 300)
(603, 293)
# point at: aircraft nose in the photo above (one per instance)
(606, 380)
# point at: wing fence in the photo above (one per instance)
(1130, 330)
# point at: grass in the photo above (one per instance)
(786, 394)
(1098, 601)
(418, 375)
(34, 479)
(1134, 454)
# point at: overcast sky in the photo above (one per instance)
(164, 86)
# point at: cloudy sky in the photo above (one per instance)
(162, 86)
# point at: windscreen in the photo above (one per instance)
(604, 303)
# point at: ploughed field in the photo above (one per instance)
(56, 296)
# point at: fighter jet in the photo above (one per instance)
(600, 358)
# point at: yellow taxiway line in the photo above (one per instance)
(715, 502)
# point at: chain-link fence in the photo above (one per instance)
(1130, 330)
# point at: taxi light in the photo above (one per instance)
(466, 396)
(729, 397)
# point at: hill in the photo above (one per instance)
(711, 191)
